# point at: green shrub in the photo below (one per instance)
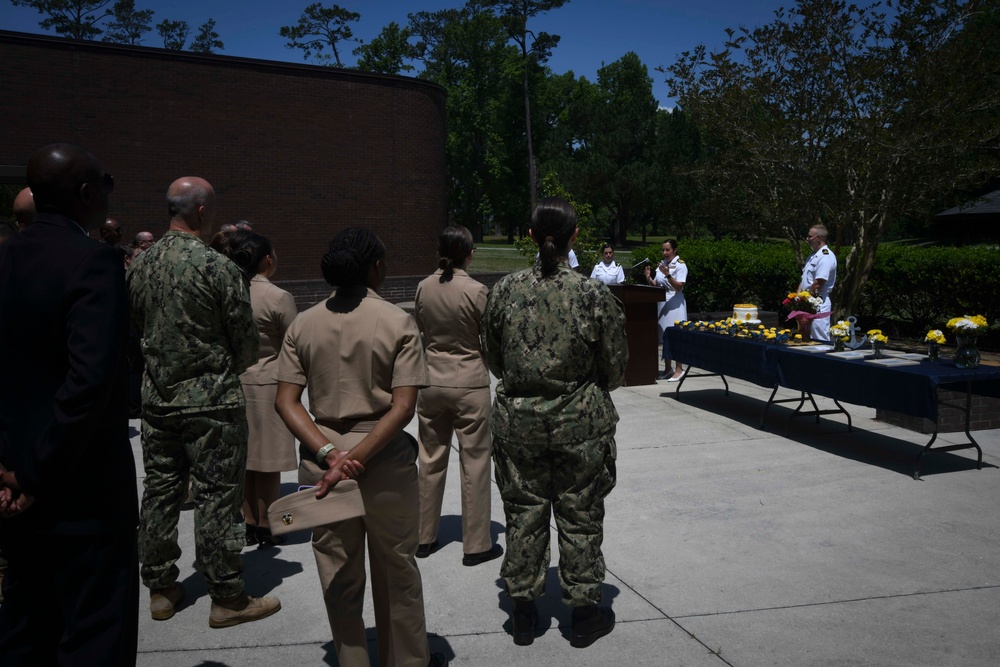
(723, 273)
(911, 289)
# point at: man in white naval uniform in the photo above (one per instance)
(818, 278)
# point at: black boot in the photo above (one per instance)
(525, 618)
(590, 623)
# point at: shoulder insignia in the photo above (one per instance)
(826, 251)
(680, 261)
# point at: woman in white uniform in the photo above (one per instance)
(607, 271)
(672, 274)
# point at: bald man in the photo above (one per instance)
(67, 475)
(24, 208)
(191, 308)
(110, 232)
(142, 242)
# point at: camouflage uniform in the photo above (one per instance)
(192, 309)
(558, 346)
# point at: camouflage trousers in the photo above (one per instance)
(210, 448)
(568, 481)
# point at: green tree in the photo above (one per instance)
(678, 154)
(128, 25)
(612, 148)
(174, 33)
(71, 18)
(535, 50)
(320, 27)
(467, 52)
(848, 116)
(388, 52)
(207, 40)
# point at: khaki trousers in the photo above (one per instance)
(389, 489)
(464, 411)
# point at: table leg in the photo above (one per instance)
(677, 391)
(972, 444)
(815, 412)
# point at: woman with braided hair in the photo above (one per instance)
(448, 308)
(556, 341)
(363, 362)
(270, 446)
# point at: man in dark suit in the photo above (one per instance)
(68, 497)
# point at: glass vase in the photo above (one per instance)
(805, 327)
(878, 349)
(838, 344)
(966, 353)
(933, 351)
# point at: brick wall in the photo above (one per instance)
(300, 151)
(985, 414)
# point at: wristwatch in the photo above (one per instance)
(323, 451)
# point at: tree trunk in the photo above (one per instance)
(858, 265)
(532, 172)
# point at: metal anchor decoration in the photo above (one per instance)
(854, 343)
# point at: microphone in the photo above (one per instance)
(645, 261)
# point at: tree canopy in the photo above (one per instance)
(844, 115)
(320, 28)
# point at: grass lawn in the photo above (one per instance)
(497, 258)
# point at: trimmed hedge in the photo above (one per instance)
(910, 289)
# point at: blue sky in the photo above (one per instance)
(594, 32)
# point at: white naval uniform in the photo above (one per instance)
(821, 264)
(609, 274)
(675, 307)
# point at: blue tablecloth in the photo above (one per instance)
(911, 390)
(741, 358)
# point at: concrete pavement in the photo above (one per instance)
(725, 545)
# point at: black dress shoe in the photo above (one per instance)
(590, 623)
(524, 618)
(478, 559)
(425, 550)
(437, 660)
(251, 534)
(265, 539)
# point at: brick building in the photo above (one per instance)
(300, 151)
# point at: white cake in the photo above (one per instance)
(745, 312)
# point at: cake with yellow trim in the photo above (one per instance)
(746, 313)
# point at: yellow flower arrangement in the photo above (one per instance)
(876, 336)
(935, 336)
(840, 330)
(968, 325)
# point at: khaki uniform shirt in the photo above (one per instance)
(273, 311)
(191, 307)
(351, 351)
(558, 346)
(448, 315)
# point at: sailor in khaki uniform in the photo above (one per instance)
(449, 306)
(363, 362)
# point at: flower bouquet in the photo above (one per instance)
(966, 330)
(934, 339)
(804, 309)
(968, 325)
(878, 341)
(841, 333)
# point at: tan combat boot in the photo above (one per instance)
(162, 601)
(241, 609)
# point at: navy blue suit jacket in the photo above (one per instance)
(63, 382)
